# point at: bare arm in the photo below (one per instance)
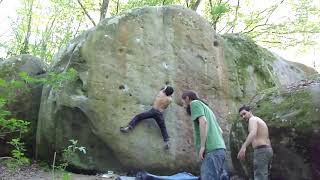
(203, 136)
(253, 128)
(203, 130)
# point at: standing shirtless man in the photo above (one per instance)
(259, 137)
(161, 102)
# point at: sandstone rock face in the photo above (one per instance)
(293, 119)
(26, 104)
(123, 62)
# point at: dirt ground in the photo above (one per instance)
(34, 172)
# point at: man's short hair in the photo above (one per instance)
(168, 90)
(244, 107)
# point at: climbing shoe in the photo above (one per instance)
(166, 145)
(125, 129)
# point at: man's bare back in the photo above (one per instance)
(162, 101)
(262, 136)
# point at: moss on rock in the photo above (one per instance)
(292, 116)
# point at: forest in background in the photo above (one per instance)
(41, 27)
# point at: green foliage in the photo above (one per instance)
(8, 125)
(12, 129)
(52, 25)
(71, 151)
(11, 88)
(123, 6)
(19, 158)
(215, 11)
(303, 120)
(219, 10)
(18, 152)
(56, 80)
(66, 176)
(12, 125)
(68, 153)
(42, 28)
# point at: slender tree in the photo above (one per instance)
(25, 46)
(193, 4)
(104, 9)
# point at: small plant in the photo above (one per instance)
(13, 86)
(66, 176)
(12, 129)
(12, 125)
(18, 152)
(18, 158)
(67, 154)
(71, 151)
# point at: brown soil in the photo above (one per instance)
(34, 172)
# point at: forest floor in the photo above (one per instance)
(35, 172)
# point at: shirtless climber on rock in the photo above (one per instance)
(161, 102)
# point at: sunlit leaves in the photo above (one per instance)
(215, 10)
(123, 6)
(56, 22)
(267, 24)
(53, 25)
(54, 79)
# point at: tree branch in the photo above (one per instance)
(271, 42)
(86, 12)
(259, 25)
(6, 158)
(256, 17)
(235, 17)
(77, 30)
(295, 32)
(268, 17)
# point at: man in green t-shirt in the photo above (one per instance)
(208, 136)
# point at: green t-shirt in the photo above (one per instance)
(214, 135)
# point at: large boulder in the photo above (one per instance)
(23, 98)
(123, 62)
(252, 68)
(293, 117)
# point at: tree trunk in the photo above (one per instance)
(118, 4)
(104, 9)
(235, 16)
(195, 5)
(25, 46)
(45, 36)
(187, 3)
